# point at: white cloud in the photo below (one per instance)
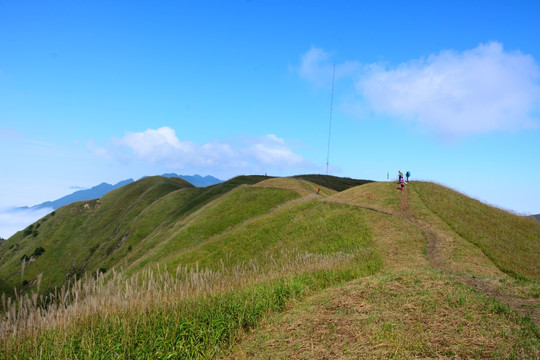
(163, 147)
(451, 94)
(157, 145)
(271, 150)
(316, 68)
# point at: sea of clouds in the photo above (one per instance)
(16, 219)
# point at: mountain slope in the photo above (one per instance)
(512, 242)
(434, 281)
(197, 180)
(81, 195)
(82, 236)
(333, 182)
(261, 267)
(103, 188)
(99, 234)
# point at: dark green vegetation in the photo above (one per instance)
(333, 182)
(260, 267)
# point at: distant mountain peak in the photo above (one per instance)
(103, 188)
(81, 195)
(197, 180)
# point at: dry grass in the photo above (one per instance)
(106, 296)
(401, 245)
(447, 250)
(512, 242)
(402, 315)
(450, 251)
(381, 196)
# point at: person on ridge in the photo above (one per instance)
(407, 174)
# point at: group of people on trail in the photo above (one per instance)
(402, 182)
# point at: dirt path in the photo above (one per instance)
(441, 244)
(439, 258)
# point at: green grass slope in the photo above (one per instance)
(415, 307)
(223, 213)
(102, 233)
(470, 234)
(307, 227)
(83, 236)
(262, 267)
(512, 242)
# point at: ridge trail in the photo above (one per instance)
(439, 248)
(438, 257)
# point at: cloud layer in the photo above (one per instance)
(162, 146)
(451, 93)
(16, 219)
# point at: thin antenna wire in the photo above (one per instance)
(330, 125)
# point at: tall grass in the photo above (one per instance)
(190, 314)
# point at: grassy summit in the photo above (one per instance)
(261, 267)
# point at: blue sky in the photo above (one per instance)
(103, 91)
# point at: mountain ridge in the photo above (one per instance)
(100, 190)
(230, 263)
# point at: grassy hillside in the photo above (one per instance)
(83, 236)
(512, 242)
(302, 187)
(222, 214)
(312, 226)
(99, 234)
(261, 267)
(404, 315)
(333, 182)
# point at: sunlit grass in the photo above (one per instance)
(512, 242)
(232, 261)
(405, 315)
(312, 226)
(193, 313)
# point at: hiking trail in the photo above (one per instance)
(438, 254)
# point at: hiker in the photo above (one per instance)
(407, 174)
(402, 183)
(400, 176)
(318, 190)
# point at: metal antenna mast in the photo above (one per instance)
(330, 125)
